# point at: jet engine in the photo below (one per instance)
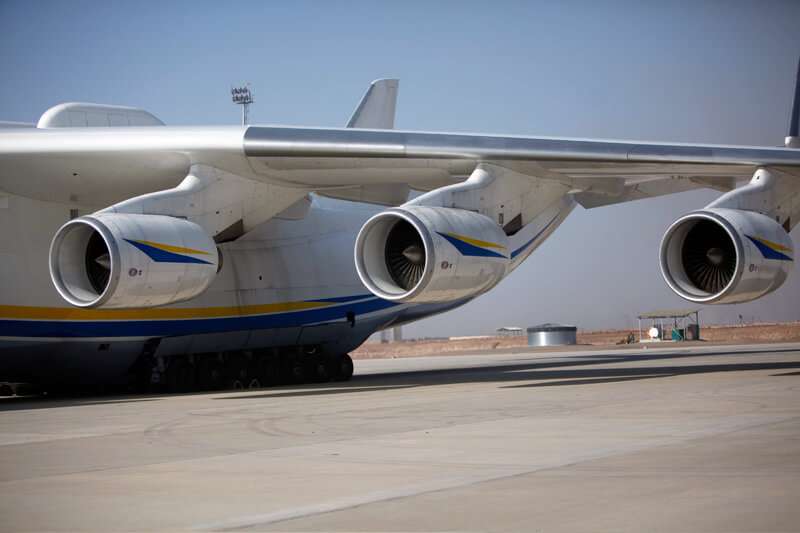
(725, 256)
(430, 254)
(114, 260)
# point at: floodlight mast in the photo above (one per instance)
(243, 96)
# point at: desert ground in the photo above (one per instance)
(719, 334)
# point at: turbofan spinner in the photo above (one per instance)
(430, 254)
(115, 260)
(725, 256)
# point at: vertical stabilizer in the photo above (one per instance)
(793, 139)
(377, 107)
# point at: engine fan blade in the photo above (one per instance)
(405, 255)
(709, 257)
(98, 263)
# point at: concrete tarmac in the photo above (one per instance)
(697, 439)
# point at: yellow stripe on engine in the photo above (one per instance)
(774, 245)
(477, 242)
(173, 249)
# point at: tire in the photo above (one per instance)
(180, 376)
(344, 366)
(267, 369)
(319, 369)
(210, 375)
(236, 371)
(298, 372)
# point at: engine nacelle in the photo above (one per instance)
(430, 254)
(114, 260)
(725, 256)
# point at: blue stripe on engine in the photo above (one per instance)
(768, 252)
(162, 256)
(522, 248)
(169, 328)
(470, 249)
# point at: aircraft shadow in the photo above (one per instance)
(584, 370)
(580, 368)
(319, 391)
(544, 371)
(20, 403)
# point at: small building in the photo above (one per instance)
(670, 325)
(509, 331)
(552, 335)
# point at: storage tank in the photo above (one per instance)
(552, 335)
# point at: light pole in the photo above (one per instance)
(243, 96)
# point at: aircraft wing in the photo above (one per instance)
(101, 166)
(605, 170)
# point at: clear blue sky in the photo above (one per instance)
(711, 71)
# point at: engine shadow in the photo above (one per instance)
(582, 370)
(318, 391)
(603, 375)
(580, 367)
(590, 381)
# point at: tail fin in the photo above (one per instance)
(377, 107)
(793, 139)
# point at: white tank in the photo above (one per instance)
(552, 335)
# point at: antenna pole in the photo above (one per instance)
(243, 96)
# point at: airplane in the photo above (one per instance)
(197, 258)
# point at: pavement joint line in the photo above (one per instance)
(738, 430)
(352, 502)
(268, 450)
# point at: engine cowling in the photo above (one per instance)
(115, 260)
(430, 254)
(725, 256)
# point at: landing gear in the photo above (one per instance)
(343, 368)
(210, 372)
(236, 374)
(180, 375)
(249, 370)
(266, 367)
(319, 370)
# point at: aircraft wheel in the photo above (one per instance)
(281, 366)
(344, 367)
(254, 383)
(267, 369)
(320, 369)
(209, 373)
(180, 375)
(236, 372)
(298, 371)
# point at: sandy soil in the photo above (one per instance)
(755, 333)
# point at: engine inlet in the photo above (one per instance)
(405, 255)
(709, 256)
